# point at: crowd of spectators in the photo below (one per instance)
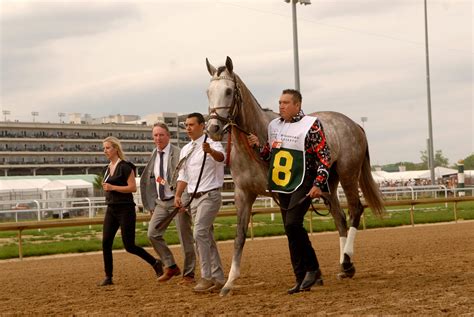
(36, 147)
(450, 182)
(73, 135)
(62, 160)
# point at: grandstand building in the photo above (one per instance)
(36, 148)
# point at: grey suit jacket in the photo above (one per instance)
(148, 179)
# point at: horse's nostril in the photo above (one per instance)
(214, 128)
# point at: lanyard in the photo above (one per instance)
(107, 172)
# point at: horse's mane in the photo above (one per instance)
(241, 83)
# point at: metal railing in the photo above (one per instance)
(20, 226)
(91, 206)
(42, 209)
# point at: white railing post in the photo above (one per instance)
(38, 209)
(90, 210)
(445, 194)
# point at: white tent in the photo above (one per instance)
(55, 186)
(439, 172)
(23, 184)
(68, 186)
(55, 192)
(380, 176)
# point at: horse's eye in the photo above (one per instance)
(228, 91)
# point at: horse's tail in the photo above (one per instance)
(369, 188)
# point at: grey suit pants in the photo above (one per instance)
(204, 211)
(185, 234)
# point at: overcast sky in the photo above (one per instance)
(364, 58)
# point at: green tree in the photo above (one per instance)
(469, 162)
(439, 159)
(409, 166)
(97, 184)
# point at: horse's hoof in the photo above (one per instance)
(225, 291)
(348, 272)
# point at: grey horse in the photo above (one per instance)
(233, 109)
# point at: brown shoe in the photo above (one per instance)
(169, 273)
(158, 267)
(204, 286)
(187, 280)
(217, 286)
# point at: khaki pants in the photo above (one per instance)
(204, 210)
(185, 234)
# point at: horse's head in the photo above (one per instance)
(224, 98)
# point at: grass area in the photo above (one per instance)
(85, 239)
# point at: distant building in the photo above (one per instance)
(35, 148)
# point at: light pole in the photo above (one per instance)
(61, 115)
(364, 120)
(5, 114)
(34, 114)
(428, 90)
(295, 39)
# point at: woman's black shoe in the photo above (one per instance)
(106, 281)
(295, 289)
(311, 278)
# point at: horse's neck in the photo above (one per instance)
(252, 118)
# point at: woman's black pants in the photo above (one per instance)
(123, 217)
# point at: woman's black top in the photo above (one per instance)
(120, 177)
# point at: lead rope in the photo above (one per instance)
(325, 196)
(228, 148)
(166, 221)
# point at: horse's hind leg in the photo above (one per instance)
(243, 203)
(355, 212)
(337, 213)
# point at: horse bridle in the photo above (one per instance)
(233, 108)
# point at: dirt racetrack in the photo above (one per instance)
(425, 270)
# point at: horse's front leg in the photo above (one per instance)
(243, 203)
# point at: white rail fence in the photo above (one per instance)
(38, 209)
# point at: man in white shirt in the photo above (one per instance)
(158, 198)
(207, 200)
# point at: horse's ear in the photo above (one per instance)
(229, 65)
(211, 69)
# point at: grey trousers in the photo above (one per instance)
(185, 234)
(204, 211)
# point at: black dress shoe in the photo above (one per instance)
(311, 278)
(158, 267)
(106, 281)
(295, 289)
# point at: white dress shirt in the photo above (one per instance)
(156, 171)
(213, 173)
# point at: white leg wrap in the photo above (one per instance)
(342, 244)
(349, 247)
(233, 274)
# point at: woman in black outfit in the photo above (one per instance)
(119, 184)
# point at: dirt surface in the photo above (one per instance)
(425, 270)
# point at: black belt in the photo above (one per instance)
(167, 199)
(200, 194)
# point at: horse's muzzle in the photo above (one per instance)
(215, 132)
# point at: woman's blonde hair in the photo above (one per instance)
(116, 145)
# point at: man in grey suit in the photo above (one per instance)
(156, 188)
